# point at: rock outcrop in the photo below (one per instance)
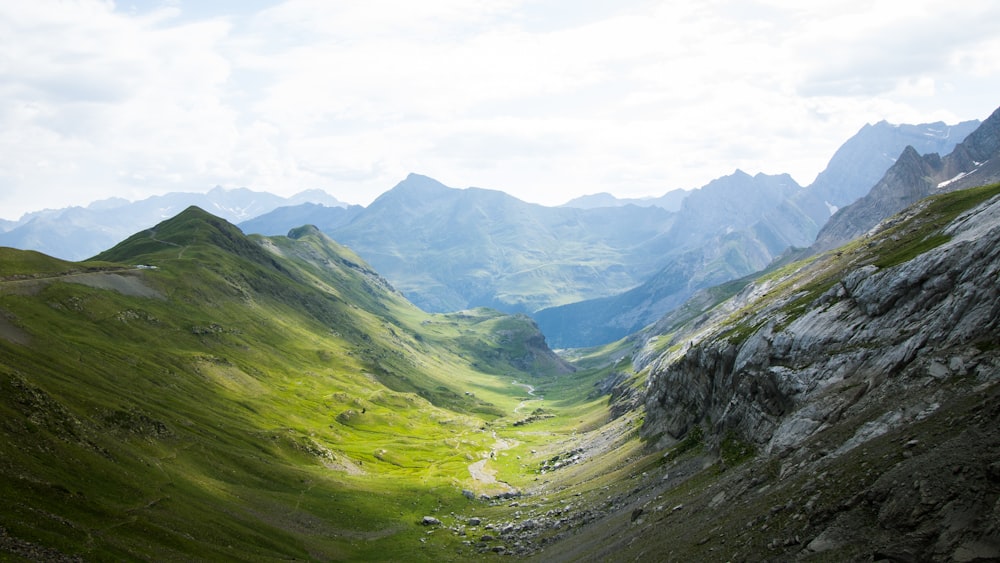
(793, 364)
(867, 382)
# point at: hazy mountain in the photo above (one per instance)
(603, 320)
(449, 249)
(75, 233)
(729, 204)
(671, 201)
(914, 176)
(713, 239)
(862, 161)
(749, 234)
(283, 219)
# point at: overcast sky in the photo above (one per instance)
(546, 99)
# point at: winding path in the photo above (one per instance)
(478, 469)
(531, 391)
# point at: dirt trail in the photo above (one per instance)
(487, 476)
(126, 281)
(478, 469)
(531, 391)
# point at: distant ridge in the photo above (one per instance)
(973, 162)
(755, 235)
(76, 233)
(671, 201)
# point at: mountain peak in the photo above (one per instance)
(415, 181)
(414, 190)
(191, 227)
(304, 231)
(973, 162)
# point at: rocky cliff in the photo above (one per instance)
(851, 318)
(876, 364)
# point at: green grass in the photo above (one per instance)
(903, 242)
(271, 405)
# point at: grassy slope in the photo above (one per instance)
(271, 405)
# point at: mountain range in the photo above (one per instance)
(196, 393)
(751, 235)
(76, 233)
(671, 201)
(592, 274)
(589, 272)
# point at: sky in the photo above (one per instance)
(544, 99)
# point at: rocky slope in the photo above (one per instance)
(872, 370)
(872, 322)
(841, 408)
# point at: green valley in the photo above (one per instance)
(196, 393)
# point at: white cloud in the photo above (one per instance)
(546, 99)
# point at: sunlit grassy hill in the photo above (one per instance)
(193, 393)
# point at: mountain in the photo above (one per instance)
(671, 201)
(197, 394)
(862, 161)
(448, 249)
(281, 220)
(599, 321)
(841, 408)
(914, 176)
(712, 241)
(755, 233)
(76, 233)
(728, 204)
